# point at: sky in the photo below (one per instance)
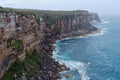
(106, 7)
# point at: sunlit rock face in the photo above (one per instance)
(1, 34)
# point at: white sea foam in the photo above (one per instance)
(55, 55)
(99, 33)
(105, 22)
(81, 67)
(74, 65)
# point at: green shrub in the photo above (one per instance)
(28, 66)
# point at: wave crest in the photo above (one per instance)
(81, 67)
(73, 65)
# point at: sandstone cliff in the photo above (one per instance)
(94, 17)
(20, 33)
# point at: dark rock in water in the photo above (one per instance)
(69, 76)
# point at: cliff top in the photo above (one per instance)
(41, 12)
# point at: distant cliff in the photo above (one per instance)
(94, 17)
(23, 31)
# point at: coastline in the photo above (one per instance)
(50, 68)
(98, 31)
(38, 40)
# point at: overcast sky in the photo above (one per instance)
(100, 6)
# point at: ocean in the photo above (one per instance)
(93, 57)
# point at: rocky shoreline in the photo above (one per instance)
(51, 68)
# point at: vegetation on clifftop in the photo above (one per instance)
(42, 13)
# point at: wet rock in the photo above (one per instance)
(69, 76)
(39, 78)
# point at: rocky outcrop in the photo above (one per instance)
(69, 76)
(30, 32)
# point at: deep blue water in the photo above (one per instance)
(94, 57)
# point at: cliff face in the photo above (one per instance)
(19, 33)
(72, 25)
(94, 17)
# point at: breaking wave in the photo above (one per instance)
(73, 65)
(100, 32)
(104, 21)
(80, 67)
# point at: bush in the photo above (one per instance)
(28, 66)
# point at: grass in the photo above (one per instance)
(17, 44)
(28, 66)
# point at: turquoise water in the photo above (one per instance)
(96, 57)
